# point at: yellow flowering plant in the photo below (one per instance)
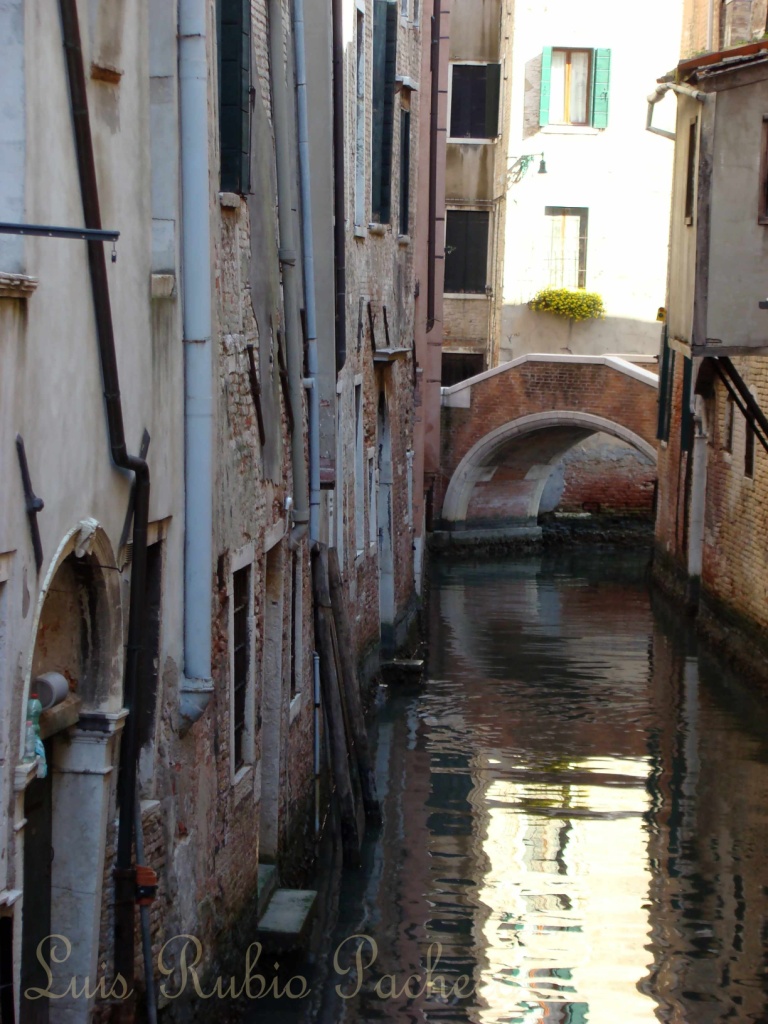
(575, 304)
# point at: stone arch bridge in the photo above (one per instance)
(508, 428)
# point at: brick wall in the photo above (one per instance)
(545, 387)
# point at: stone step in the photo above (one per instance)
(268, 883)
(284, 926)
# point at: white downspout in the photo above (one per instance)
(197, 684)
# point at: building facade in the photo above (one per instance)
(711, 508)
(198, 402)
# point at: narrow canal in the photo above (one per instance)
(575, 817)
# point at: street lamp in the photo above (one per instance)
(518, 169)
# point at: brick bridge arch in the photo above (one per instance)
(518, 420)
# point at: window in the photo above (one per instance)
(574, 86)
(241, 661)
(666, 388)
(235, 94)
(728, 425)
(297, 646)
(466, 250)
(690, 178)
(360, 123)
(749, 450)
(475, 101)
(359, 479)
(405, 169)
(458, 366)
(372, 498)
(567, 246)
(148, 700)
(385, 20)
(762, 211)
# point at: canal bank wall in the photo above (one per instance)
(735, 637)
(552, 531)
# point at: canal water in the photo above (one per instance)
(575, 815)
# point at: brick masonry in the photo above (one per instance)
(543, 387)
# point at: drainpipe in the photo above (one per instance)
(658, 94)
(197, 685)
(308, 262)
(697, 505)
(125, 873)
(287, 256)
(434, 60)
(339, 240)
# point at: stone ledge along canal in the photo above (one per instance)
(575, 810)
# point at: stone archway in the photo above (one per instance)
(64, 819)
(556, 432)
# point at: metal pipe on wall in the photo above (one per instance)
(433, 126)
(124, 874)
(197, 685)
(287, 256)
(339, 208)
(308, 266)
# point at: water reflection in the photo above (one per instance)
(575, 810)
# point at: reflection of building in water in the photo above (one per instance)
(567, 882)
(707, 845)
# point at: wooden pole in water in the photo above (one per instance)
(355, 717)
(350, 834)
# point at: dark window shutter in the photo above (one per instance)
(385, 20)
(664, 387)
(405, 169)
(601, 81)
(475, 101)
(492, 91)
(466, 255)
(390, 70)
(686, 418)
(546, 76)
(235, 94)
(377, 90)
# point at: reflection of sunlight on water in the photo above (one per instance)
(566, 882)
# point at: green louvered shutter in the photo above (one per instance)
(546, 74)
(601, 81)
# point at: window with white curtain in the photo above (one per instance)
(567, 261)
(570, 87)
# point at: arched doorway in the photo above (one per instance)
(65, 816)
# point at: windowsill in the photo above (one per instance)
(16, 286)
(359, 556)
(569, 129)
(466, 295)
(230, 200)
(470, 142)
(663, 444)
(360, 232)
(242, 784)
(762, 220)
(689, 222)
(377, 229)
(404, 241)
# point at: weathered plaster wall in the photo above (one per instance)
(589, 167)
